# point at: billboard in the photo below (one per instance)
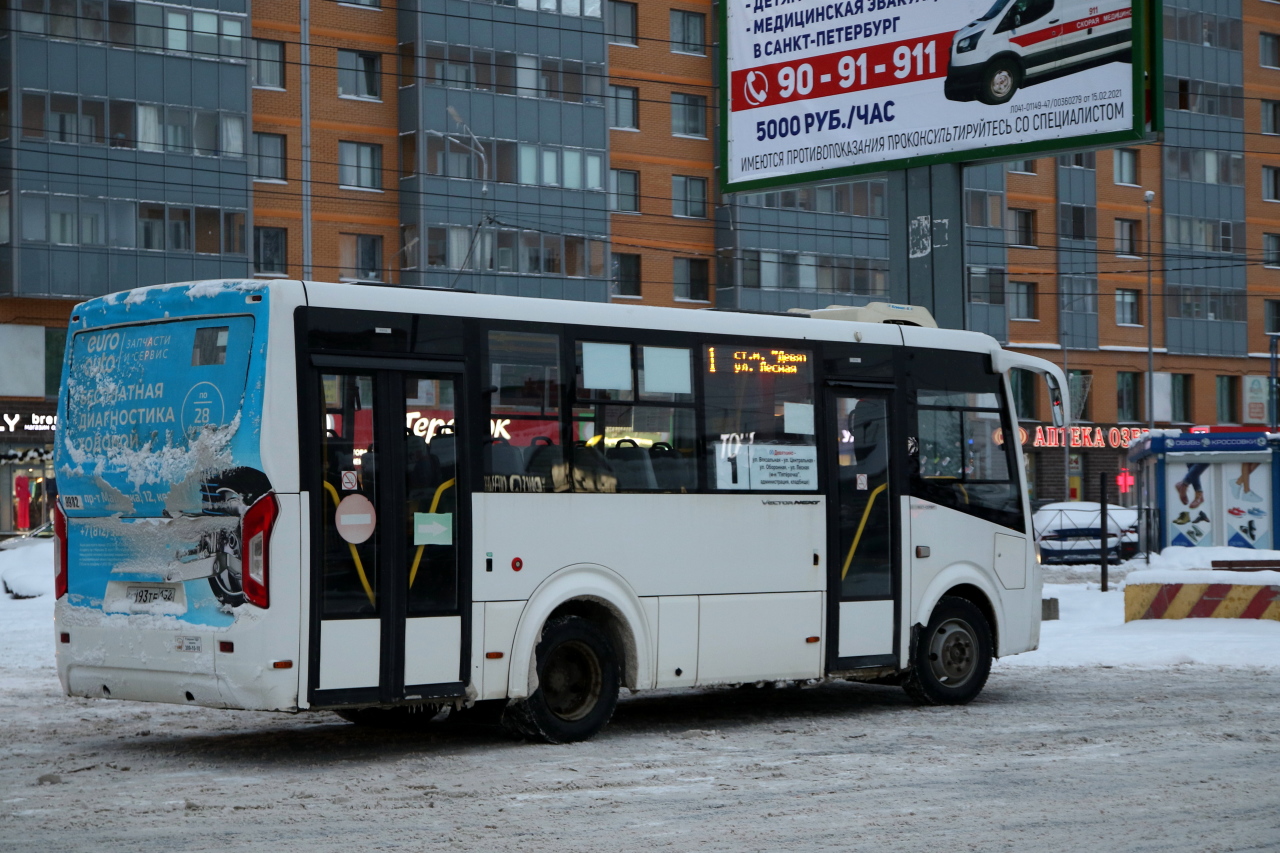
(823, 88)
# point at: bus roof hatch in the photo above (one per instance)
(874, 312)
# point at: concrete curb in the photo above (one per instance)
(1200, 601)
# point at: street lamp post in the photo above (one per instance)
(1149, 197)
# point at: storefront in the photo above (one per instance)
(27, 429)
(1066, 463)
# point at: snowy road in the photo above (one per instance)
(1146, 736)
(1176, 759)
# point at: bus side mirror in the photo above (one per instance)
(1055, 401)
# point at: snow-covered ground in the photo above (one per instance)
(1150, 736)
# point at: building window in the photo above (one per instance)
(1272, 318)
(1271, 183)
(692, 278)
(1022, 227)
(622, 22)
(1022, 300)
(983, 209)
(1125, 161)
(1271, 250)
(1077, 222)
(1126, 237)
(689, 196)
(1271, 117)
(1022, 167)
(358, 74)
(688, 32)
(622, 107)
(624, 191)
(688, 115)
(626, 274)
(360, 165)
(268, 157)
(1079, 160)
(266, 63)
(1079, 382)
(1205, 97)
(372, 3)
(1205, 166)
(1180, 397)
(1228, 399)
(360, 257)
(986, 285)
(1127, 396)
(1127, 307)
(269, 250)
(1269, 53)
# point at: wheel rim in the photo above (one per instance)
(572, 680)
(953, 652)
(1002, 83)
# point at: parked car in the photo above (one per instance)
(1071, 532)
(31, 537)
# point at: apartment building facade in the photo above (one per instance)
(565, 149)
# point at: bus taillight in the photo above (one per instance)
(255, 536)
(59, 552)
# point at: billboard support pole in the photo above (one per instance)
(926, 241)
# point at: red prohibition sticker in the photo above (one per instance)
(517, 564)
(355, 519)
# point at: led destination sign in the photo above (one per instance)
(754, 361)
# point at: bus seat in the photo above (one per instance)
(672, 471)
(502, 457)
(444, 447)
(632, 466)
(592, 472)
(547, 461)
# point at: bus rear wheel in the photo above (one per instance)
(952, 656)
(577, 684)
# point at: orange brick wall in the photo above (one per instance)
(656, 235)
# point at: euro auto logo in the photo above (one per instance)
(756, 88)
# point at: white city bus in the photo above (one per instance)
(298, 496)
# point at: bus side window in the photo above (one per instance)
(633, 419)
(759, 418)
(964, 462)
(523, 451)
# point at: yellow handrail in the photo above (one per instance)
(435, 501)
(861, 524)
(364, 581)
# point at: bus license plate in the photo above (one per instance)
(149, 594)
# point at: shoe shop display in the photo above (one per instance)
(1252, 497)
(1201, 518)
(1255, 511)
(1183, 518)
(1236, 511)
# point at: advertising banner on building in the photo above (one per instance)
(818, 88)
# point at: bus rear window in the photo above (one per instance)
(210, 346)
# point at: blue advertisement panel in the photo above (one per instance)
(159, 454)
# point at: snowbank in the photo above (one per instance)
(1223, 576)
(1091, 631)
(27, 571)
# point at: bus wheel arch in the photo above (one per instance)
(962, 581)
(951, 655)
(1001, 77)
(600, 597)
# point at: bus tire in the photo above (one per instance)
(952, 656)
(577, 684)
(1000, 80)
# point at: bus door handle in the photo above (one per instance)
(922, 551)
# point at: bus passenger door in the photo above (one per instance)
(863, 563)
(387, 624)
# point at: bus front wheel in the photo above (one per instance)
(952, 655)
(577, 684)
